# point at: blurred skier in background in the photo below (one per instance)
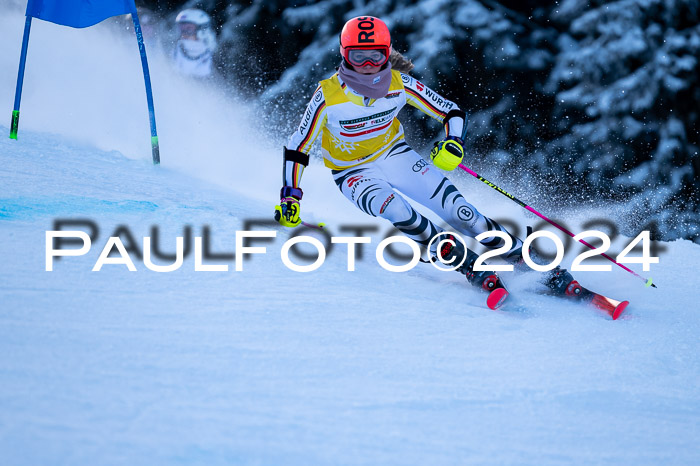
(362, 141)
(194, 50)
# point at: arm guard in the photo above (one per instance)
(293, 167)
(456, 124)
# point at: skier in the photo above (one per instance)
(355, 113)
(194, 51)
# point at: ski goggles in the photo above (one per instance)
(363, 56)
(188, 29)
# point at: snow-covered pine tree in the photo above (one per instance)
(627, 90)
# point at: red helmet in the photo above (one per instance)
(365, 40)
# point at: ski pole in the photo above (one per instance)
(530, 209)
(320, 226)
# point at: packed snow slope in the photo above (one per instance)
(270, 366)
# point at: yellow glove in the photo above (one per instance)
(447, 154)
(287, 213)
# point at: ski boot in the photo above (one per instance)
(488, 281)
(558, 280)
(561, 282)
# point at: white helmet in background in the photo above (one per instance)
(195, 24)
(193, 15)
